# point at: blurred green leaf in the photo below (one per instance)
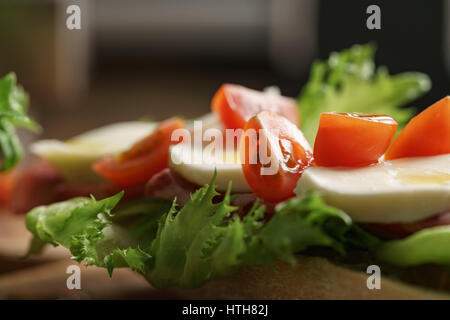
(13, 112)
(348, 81)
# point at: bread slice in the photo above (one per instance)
(311, 278)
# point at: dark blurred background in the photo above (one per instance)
(157, 58)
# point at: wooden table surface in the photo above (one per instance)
(45, 276)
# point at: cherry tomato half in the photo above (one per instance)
(235, 105)
(142, 160)
(285, 147)
(427, 134)
(352, 140)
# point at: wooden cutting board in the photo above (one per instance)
(44, 276)
(49, 281)
(14, 240)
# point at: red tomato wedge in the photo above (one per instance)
(284, 145)
(7, 182)
(142, 160)
(427, 134)
(352, 140)
(235, 105)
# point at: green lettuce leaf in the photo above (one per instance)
(348, 81)
(430, 245)
(75, 224)
(303, 222)
(189, 246)
(13, 109)
(84, 226)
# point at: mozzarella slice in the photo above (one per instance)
(198, 165)
(402, 190)
(74, 157)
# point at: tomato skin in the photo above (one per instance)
(143, 159)
(235, 105)
(352, 140)
(8, 180)
(427, 134)
(288, 148)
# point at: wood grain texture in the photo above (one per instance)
(14, 239)
(49, 281)
(313, 278)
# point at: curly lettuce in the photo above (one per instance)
(13, 112)
(199, 242)
(348, 81)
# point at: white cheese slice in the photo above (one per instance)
(74, 157)
(402, 190)
(197, 166)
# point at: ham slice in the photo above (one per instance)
(41, 184)
(35, 185)
(402, 230)
(168, 185)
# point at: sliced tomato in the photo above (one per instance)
(290, 154)
(235, 105)
(142, 160)
(427, 134)
(352, 140)
(8, 180)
